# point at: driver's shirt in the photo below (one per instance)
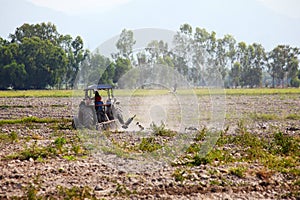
(98, 104)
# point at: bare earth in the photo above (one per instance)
(106, 181)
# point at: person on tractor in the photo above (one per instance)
(99, 106)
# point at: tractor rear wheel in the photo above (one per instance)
(87, 115)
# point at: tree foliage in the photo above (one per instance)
(38, 57)
(283, 63)
(125, 43)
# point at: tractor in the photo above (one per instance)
(89, 118)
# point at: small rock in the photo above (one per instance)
(98, 188)
(238, 155)
(202, 183)
(263, 183)
(19, 186)
(135, 184)
(121, 172)
(226, 197)
(61, 170)
(223, 170)
(31, 160)
(213, 189)
(10, 165)
(204, 176)
(213, 176)
(195, 176)
(159, 179)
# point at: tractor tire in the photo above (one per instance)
(75, 123)
(88, 120)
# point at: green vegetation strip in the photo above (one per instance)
(152, 92)
(68, 148)
(279, 152)
(36, 93)
(273, 116)
(262, 91)
(31, 120)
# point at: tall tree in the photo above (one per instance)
(182, 51)
(75, 55)
(235, 73)
(282, 63)
(200, 55)
(125, 43)
(258, 63)
(242, 60)
(251, 60)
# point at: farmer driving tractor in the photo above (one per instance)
(102, 109)
(99, 108)
(105, 114)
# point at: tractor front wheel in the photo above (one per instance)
(75, 123)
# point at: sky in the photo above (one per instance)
(268, 22)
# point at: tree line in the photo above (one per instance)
(37, 56)
(239, 64)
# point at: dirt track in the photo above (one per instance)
(111, 182)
